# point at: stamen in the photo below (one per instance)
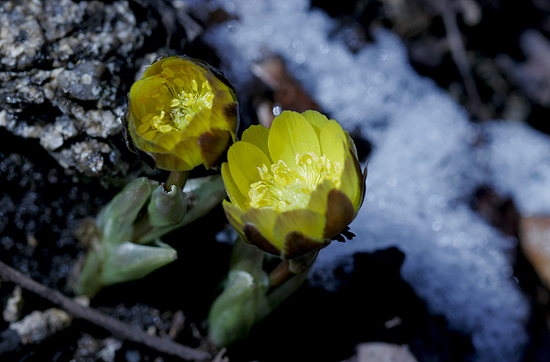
(188, 98)
(285, 188)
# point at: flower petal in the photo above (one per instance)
(219, 118)
(333, 141)
(316, 119)
(351, 144)
(352, 181)
(212, 145)
(244, 159)
(289, 135)
(319, 197)
(234, 214)
(307, 222)
(171, 162)
(235, 195)
(298, 244)
(261, 234)
(339, 213)
(258, 136)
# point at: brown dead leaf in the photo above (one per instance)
(534, 239)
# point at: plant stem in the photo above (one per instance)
(117, 328)
(178, 178)
(280, 274)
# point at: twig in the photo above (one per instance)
(117, 328)
(458, 53)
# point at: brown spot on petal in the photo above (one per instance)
(254, 236)
(213, 144)
(297, 244)
(231, 113)
(339, 213)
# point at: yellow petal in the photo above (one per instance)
(233, 214)
(244, 159)
(257, 135)
(289, 135)
(264, 221)
(235, 195)
(351, 144)
(154, 69)
(333, 141)
(316, 119)
(188, 150)
(307, 222)
(352, 179)
(318, 199)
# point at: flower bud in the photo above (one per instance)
(117, 218)
(130, 261)
(234, 312)
(167, 207)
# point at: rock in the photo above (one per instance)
(383, 352)
(21, 37)
(82, 82)
(38, 325)
(61, 70)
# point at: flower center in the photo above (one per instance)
(283, 188)
(186, 99)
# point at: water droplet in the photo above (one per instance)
(508, 271)
(277, 110)
(324, 48)
(482, 240)
(436, 226)
(300, 58)
(511, 242)
(229, 7)
(372, 91)
(382, 54)
(231, 24)
(392, 182)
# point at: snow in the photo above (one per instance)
(519, 163)
(427, 161)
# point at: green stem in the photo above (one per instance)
(280, 274)
(178, 178)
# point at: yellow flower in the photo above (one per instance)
(295, 186)
(182, 113)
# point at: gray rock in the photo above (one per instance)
(21, 37)
(82, 82)
(60, 78)
(60, 17)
